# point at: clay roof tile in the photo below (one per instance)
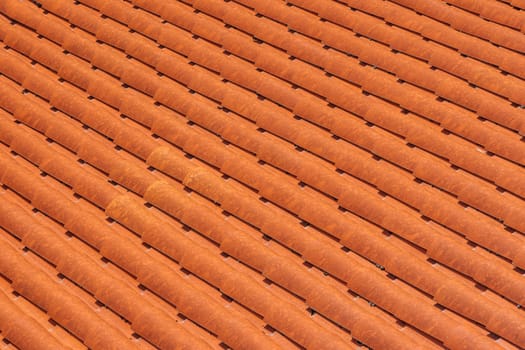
(250, 163)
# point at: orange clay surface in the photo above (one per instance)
(262, 174)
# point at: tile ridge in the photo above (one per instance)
(22, 330)
(66, 309)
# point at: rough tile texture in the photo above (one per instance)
(261, 174)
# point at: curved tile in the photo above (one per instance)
(249, 128)
(22, 330)
(66, 309)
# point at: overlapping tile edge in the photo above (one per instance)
(302, 175)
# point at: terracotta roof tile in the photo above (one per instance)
(258, 174)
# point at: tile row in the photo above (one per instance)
(101, 196)
(506, 60)
(67, 338)
(70, 99)
(518, 4)
(362, 109)
(111, 270)
(468, 23)
(493, 11)
(313, 219)
(133, 216)
(193, 151)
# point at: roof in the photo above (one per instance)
(259, 174)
